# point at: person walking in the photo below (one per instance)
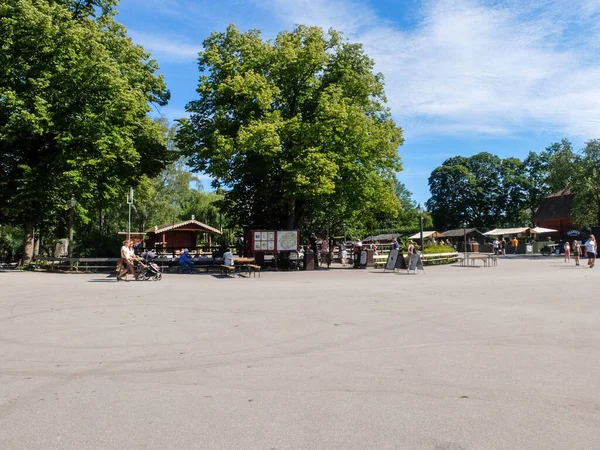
(503, 246)
(496, 244)
(515, 245)
(576, 248)
(591, 249)
(125, 263)
(567, 248)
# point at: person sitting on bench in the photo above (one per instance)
(185, 261)
(227, 259)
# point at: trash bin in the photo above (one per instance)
(309, 260)
(476, 247)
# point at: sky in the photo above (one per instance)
(462, 76)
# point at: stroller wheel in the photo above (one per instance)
(157, 277)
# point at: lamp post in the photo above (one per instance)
(465, 237)
(129, 202)
(421, 225)
(72, 205)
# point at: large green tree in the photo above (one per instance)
(74, 97)
(585, 185)
(295, 130)
(482, 191)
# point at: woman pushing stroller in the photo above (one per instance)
(125, 264)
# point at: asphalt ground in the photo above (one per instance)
(505, 357)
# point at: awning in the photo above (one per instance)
(427, 234)
(503, 231)
(542, 230)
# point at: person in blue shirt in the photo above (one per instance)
(185, 261)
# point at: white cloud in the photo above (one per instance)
(481, 67)
(167, 47)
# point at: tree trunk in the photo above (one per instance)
(291, 219)
(36, 246)
(29, 242)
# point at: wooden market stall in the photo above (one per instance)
(176, 236)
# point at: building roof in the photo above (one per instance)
(503, 231)
(555, 207)
(460, 232)
(382, 237)
(188, 225)
(427, 234)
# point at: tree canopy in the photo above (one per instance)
(74, 97)
(489, 192)
(295, 130)
(582, 175)
(481, 191)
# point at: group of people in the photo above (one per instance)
(501, 244)
(591, 250)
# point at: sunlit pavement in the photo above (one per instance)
(505, 357)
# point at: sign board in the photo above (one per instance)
(264, 241)
(391, 261)
(573, 233)
(401, 262)
(287, 241)
(415, 262)
(275, 241)
(363, 258)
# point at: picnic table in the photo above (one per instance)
(488, 259)
(240, 262)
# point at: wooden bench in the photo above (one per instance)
(253, 268)
(83, 264)
(227, 270)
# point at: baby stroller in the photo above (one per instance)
(147, 269)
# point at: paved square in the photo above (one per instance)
(459, 358)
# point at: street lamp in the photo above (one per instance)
(72, 204)
(129, 202)
(421, 225)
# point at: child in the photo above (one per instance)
(567, 252)
(576, 251)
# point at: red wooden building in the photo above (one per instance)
(555, 213)
(178, 235)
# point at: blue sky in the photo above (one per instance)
(462, 76)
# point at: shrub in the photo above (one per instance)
(438, 248)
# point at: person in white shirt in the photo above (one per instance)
(591, 249)
(125, 263)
